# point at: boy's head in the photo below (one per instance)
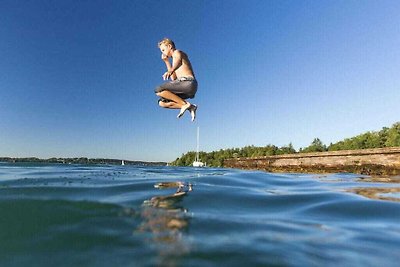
(166, 41)
(166, 46)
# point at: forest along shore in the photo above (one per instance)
(378, 161)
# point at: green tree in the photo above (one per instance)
(316, 146)
(393, 136)
(287, 149)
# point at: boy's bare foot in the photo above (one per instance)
(183, 109)
(193, 109)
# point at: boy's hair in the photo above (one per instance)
(166, 41)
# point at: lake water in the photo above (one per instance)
(78, 215)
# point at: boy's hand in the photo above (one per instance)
(164, 57)
(167, 75)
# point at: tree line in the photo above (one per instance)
(387, 137)
(81, 160)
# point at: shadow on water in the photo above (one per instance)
(166, 221)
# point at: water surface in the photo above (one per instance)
(74, 215)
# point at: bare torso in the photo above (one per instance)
(185, 69)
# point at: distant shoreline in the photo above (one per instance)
(81, 160)
(378, 161)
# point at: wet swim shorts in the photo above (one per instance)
(184, 87)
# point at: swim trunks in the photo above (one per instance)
(184, 87)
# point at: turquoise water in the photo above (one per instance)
(70, 215)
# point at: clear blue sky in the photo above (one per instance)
(77, 78)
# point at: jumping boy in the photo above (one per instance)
(183, 84)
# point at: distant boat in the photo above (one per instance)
(197, 162)
(122, 163)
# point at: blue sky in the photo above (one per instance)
(77, 78)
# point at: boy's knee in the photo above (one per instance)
(158, 90)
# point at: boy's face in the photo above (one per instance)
(166, 50)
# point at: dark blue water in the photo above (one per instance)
(66, 215)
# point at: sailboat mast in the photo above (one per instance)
(197, 153)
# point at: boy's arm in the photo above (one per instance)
(176, 63)
(169, 70)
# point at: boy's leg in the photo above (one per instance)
(180, 103)
(171, 96)
(171, 105)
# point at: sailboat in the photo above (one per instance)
(197, 162)
(122, 163)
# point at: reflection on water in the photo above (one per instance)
(379, 179)
(382, 193)
(379, 187)
(166, 221)
(392, 194)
